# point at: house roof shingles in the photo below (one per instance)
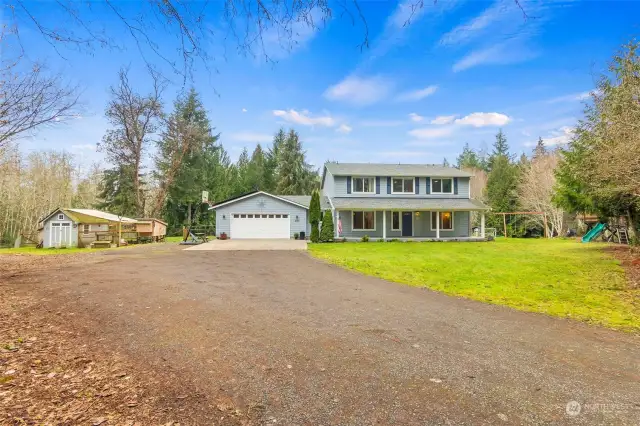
(371, 169)
(398, 203)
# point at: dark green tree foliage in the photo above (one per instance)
(182, 161)
(599, 172)
(314, 216)
(500, 149)
(327, 232)
(469, 159)
(257, 170)
(445, 162)
(117, 192)
(502, 186)
(294, 175)
(540, 149)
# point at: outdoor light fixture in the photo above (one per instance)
(224, 216)
(297, 218)
(417, 214)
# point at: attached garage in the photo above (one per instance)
(261, 215)
(260, 225)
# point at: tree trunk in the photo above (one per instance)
(189, 214)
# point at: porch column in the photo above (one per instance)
(437, 225)
(482, 224)
(335, 224)
(384, 225)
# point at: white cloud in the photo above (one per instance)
(416, 95)
(251, 137)
(415, 117)
(304, 118)
(570, 98)
(344, 128)
(443, 119)
(560, 137)
(381, 123)
(482, 119)
(359, 90)
(510, 52)
(84, 147)
(244, 110)
(493, 14)
(431, 132)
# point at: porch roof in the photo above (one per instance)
(397, 203)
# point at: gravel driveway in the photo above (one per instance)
(297, 341)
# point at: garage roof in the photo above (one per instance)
(298, 200)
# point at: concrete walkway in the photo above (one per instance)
(264, 244)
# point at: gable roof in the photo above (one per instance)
(79, 215)
(296, 200)
(372, 169)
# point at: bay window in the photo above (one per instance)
(363, 221)
(446, 221)
(363, 185)
(402, 186)
(441, 186)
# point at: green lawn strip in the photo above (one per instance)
(173, 239)
(557, 277)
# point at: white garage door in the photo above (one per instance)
(260, 226)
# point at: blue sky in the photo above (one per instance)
(460, 71)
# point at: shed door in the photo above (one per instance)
(60, 234)
(260, 226)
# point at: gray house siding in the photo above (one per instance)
(328, 189)
(46, 233)
(339, 188)
(261, 204)
(421, 226)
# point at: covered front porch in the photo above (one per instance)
(408, 225)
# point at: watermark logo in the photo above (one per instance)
(573, 408)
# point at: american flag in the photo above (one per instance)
(339, 227)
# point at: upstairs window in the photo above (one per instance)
(442, 186)
(363, 185)
(402, 186)
(86, 229)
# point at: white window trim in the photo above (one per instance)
(453, 221)
(399, 220)
(375, 220)
(441, 185)
(403, 179)
(87, 230)
(353, 187)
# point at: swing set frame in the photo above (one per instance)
(504, 220)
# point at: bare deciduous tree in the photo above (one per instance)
(536, 190)
(31, 99)
(135, 118)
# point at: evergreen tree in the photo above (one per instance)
(445, 162)
(500, 149)
(294, 175)
(257, 170)
(117, 193)
(314, 216)
(242, 166)
(540, 148)
(181, 162)
(502, 190)
(327, 232)
(469, 158)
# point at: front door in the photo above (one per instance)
(407, 224)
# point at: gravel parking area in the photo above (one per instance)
(290, 340)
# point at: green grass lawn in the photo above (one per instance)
(43, 251)
(556, 277)
(173, 239)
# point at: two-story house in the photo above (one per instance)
(383, 201)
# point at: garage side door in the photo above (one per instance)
(260, 226)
